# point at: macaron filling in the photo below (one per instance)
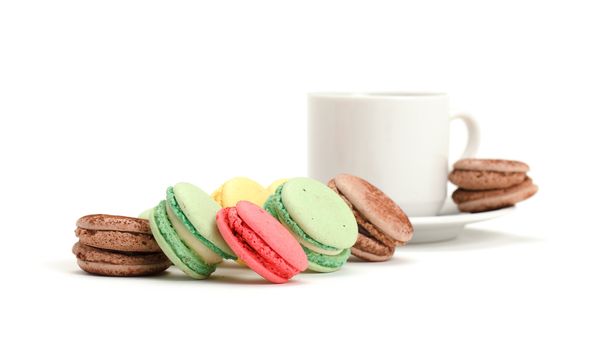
(193, 243)
(178, 249)
(257, 247)
(118, 240)
(366, 243)
(274, 206)
(365, 233)
(176, 209)
(370, 230)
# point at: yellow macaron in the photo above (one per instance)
(244, 189)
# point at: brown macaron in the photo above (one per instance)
(478, 201)
(113, 245)
(114, 232)
(111, 263)
(382, 223)
(98, 222)
(487, 174)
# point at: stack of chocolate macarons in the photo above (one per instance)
(111, 245)
(489, 184)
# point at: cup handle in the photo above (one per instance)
(473, 134)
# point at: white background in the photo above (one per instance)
(104, 104)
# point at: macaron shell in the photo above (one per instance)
(145, 214)
(369, 249)
(106, 269)
(479, 201)
(462, 195)
(364, 225)
(318, 268)
(244, 252)
(114, 223)
(237, 189)
(174, 208)
(375, 206)
(198, 247)
(273, 233)
(275, 207)
(243, 188)
(484, 179)
(216, 195)
(500, 165)
(201, 210)
(93, 254)
(326, 263)
(367, 256)
(271, 189)
(320, 212)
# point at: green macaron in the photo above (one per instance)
(184, 226)
(197, 211)
(170, 243)
(320, 220)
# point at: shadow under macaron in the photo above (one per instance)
(393, 261)
(227, 273)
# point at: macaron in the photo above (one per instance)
(321, 221)
(114, 232)
(485, 200)
(121, 264)
(243, 188)
(113, 245)
(382, 224)
(487, 174)
(259, 240)
(185, 228)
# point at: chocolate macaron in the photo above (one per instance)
(113, 263)
(478, 201)
(382, 223)
(487, 174)
(489, 184)
(112, 245)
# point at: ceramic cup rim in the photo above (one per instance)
(397, 95)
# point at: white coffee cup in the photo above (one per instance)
(397, 141)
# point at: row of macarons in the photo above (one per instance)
(278, 231)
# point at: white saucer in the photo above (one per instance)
(449, 223)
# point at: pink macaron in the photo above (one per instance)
(262, 242)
